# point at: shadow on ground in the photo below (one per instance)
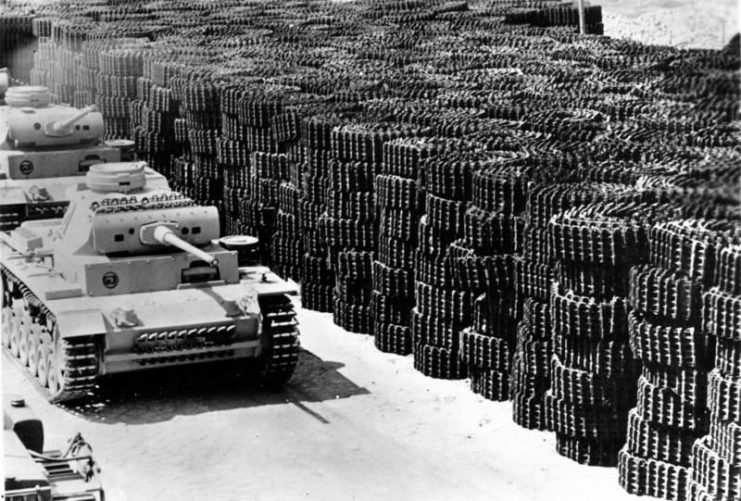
(160, 395)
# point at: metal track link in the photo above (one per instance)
(81, 357)
(280, 329)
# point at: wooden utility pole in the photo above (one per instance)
(582, 23)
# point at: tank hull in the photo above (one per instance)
(53, 172)
(124, 333)
(191, 324)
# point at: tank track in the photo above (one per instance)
(282, 346)
(13, 215)
(80, 356)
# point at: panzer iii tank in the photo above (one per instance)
(32, 473)
(132, 278)
(44, 149)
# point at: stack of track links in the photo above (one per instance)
(317, 275)
(442, 309)
(534, 269)
(349, 227)
(63, 70)
(43, 60)
(287, 245)
(483, 263)
(716, 458)
(257, 110)
(199, 100)
(665, 335)
(560, 17)
(115, 84)
(267, 172)
(57, 64)
(233, 156)
(17, 42)
(399, 207)
(593, 372)
(154, 114)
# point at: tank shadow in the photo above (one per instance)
(161, 394)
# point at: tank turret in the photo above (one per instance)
(28, 125)
(134, 276)
(120, 214)
(66, 127)
(44, 149)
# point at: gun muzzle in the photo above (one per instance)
(165, 236)
(64, 127)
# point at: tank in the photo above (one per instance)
(44, 149)
(134, 277)
(31, 472)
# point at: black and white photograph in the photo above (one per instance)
(370, 250)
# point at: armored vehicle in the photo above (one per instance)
(44, 149)
(32, 473)
(134, 277)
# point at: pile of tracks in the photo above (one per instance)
(715, 466)
(17, 44)
(471, 182)
(666, 336)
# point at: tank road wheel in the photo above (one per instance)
(280, 342)
(56, 371)
(54, 379)
(15, 329)
(44, 354)
(33, 350)
(24, 336)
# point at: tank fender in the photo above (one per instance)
(12, 195)
(76, 323)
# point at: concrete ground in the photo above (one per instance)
(681, 23)
(353, 424)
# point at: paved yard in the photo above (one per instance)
(354, 423)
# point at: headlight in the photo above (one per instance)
(249, 303)
(124, 318)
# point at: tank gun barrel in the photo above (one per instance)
(64, 127)
(166, 236)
